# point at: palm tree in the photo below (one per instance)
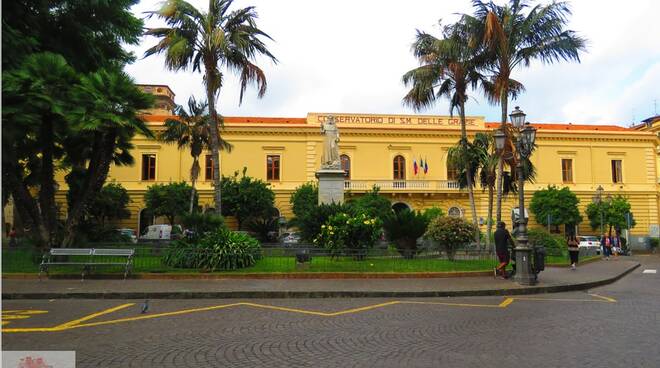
(212, 41)
(107, 114)
(191, 129)
(514, 39)
(448, 66)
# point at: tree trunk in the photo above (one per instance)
(193, 178)
(25, 204)
(464, 141)
(500, 162)
(215, 142)
(490, 214)
(48, 226)
(97, 172)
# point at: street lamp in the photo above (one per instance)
(524, 147)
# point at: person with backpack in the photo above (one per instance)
(573, 250)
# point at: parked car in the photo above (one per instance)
(129, 234)
(590, 242)
(290, 239)
(162, 232)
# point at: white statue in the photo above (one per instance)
(330, 158)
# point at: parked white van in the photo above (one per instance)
(161, 232)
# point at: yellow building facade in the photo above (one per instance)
(382, 150)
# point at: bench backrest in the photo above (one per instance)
(114, 252)
(70, 252)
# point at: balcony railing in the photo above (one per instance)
(402, 185)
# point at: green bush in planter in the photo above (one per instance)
(451, 233)
(222, 250)
(653, 243)
(404, 228)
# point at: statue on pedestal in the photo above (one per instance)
(330, 158)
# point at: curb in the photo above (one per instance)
(296, 275)
(321, 294)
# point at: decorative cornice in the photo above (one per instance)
(273, 148)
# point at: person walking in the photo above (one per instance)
(607, 247)
(12, 238)
(573, 250)
(502, 241)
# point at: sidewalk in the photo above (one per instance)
(553, 279)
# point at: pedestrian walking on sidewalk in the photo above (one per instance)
(606, 243)
(573, 250)
(502, 241)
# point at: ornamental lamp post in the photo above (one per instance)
(524, 147)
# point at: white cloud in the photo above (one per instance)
(348, 56)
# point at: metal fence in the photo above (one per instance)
(273, 258)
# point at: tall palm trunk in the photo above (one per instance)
(194, 171)
(48, 225)
(500, 163)
(98, 169)
(473, 208)
(490, 214)
(215, 139)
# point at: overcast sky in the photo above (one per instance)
(348, 56)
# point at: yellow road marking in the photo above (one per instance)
(506, 302)
(87, 318)
(18, 314)
(78, 323)
(611, 300)
(24, 311)
(12, 316)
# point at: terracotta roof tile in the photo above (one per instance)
(611, 128)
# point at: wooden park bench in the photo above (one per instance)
(87, 258)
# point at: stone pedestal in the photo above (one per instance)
(331, 185)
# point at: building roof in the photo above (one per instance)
(573, 127)
(303, 121)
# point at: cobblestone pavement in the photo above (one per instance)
(552, 330)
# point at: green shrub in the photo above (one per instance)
(343, 232)
(265, 229)
(433, 212)
(451, 233)
(371, 204)
(202, 223)
(555, 245)
(653, 243)
(222, 250)
(404, 228)
(309, 223)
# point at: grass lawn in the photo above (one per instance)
(23, 261)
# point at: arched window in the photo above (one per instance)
(455, 212)
(400, 206)
(346, 166)
(399, 170)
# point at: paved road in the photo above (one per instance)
(576, 329)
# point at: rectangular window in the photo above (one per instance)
(149, 166)
(208, 169)
(617, 176)
(567, 170)
(273, 167)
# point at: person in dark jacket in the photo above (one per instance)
(502, 241)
